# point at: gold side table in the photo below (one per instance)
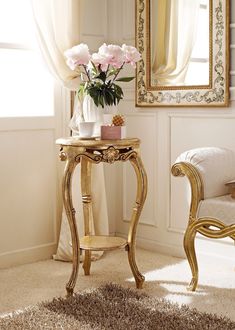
(74, 151)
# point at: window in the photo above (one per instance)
(26, 87)
(198, 69)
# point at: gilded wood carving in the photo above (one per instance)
(214, 94)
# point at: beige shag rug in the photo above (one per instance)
(112, 307)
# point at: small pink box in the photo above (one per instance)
(113, 132)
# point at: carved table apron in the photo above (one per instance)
(74, 151)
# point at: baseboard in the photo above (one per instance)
(207, 247)
(168, 249)
(25, 256)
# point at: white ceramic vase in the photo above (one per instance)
(99, 115)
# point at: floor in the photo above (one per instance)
(165, 277)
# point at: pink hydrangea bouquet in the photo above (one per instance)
(99, 71)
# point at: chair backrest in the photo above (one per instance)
(215, 165)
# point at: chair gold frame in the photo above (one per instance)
(206, 226)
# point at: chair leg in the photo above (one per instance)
(189, 239)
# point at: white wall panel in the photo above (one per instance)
(135, 123)
(27, 190)
(165, 133)
(192, 132)
(30, 190)
(93, 27)
(232, 57)
(91, 22)
(232, 27)
(128, 26)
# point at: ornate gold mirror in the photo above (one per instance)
(185, 52)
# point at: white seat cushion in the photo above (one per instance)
(216, 166)
(221, 208)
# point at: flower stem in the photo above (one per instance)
(85, 68)
(118, 72)
(107, 70)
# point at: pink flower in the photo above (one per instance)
(77, 55)
(98, 59)
(71, 64)
(131, 55)
(113, 54)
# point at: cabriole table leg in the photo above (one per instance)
(87, 207)
(140, 199)
(70, 212)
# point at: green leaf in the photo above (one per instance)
(104, 93)
(101, 76)
(112, 72)
(125, 79)
(102, 101)
(80, 89)
(110, 94)
(118, 90)
(108, 97)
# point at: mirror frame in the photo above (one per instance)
(216, 94)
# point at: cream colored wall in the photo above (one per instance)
(165, 133)
(29, 189)
(96, 28)
(30, 180)
(26, 235)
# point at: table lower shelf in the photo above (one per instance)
(102, 243)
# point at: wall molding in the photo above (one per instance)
(39, 246)
(171, 116)
(232, 92)
(149, 222)
(13, 256)
(203, 115)
(27, 124)
(27, 255)
(95, 38)
(127, 34)
(223, 250)
(156, 246)
(173, 229)
(166, 238)
(129, 94)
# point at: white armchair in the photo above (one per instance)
(212, 209)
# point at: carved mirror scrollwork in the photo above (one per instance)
(184, 46)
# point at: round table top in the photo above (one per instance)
(75, 141)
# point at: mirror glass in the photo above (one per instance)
(184, 46)
(180, 42)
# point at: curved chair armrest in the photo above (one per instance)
(196, 184)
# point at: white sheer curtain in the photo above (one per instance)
(174, 28)
(57, 25)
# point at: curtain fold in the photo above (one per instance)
(57, 27)
(174, 30)
(99, 208)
